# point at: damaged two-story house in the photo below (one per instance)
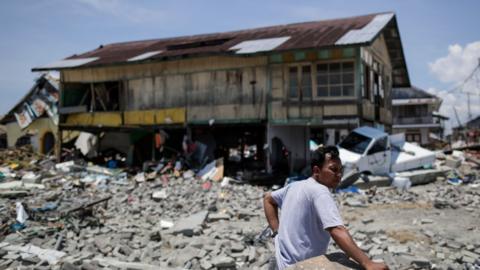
(263, 93)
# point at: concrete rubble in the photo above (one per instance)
(82, 216)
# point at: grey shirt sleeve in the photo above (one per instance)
(327, 210)
(279, 195)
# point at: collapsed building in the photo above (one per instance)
(255, 97)
(34, 119)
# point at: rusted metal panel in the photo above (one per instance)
(302, 35)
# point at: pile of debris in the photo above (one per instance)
(75, 215)
(81, 216)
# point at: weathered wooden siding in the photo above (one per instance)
(378, 52)
(221, 88)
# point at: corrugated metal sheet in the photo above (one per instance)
(143, 56)
(306, 35)
(367, 33)
(68, 63)
(258, 45)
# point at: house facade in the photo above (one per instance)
(270, 89)
(415, 114)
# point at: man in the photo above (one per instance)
(310, 215)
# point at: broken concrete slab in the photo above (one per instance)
(334, 261)
(49, 255)
(187, 226)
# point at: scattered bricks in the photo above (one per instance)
(426, 221)
(452, 162)
(156, 236)
(398, 249)
(360, 236)
(252, 254)
(440, 255)
(69, 266)
(454, 245)
(11, 256)
(187, 226)
(367, 220)
(237, 247)
(375, 251)
(355, 203)
(223, 261)
(422, 263)
(468, 259)
(160, 195)
(5, 264)
(205, 263)
(218, 216)
(30, 258)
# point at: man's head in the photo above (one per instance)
(326, 166)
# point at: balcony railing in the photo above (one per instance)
(413, 120)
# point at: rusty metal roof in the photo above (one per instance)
(302, 35)
(308, 35)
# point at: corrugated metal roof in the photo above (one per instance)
(410, 93)
(143, 56)
(68, 63)
(315, 34)
(258, 45)
(366, 33)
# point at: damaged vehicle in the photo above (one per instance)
(370, 151)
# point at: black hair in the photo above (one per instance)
(318, 156)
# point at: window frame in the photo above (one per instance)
(328, 62)
(300, 92)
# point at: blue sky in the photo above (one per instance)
(440, 38)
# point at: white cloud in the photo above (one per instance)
(458, 64)
(453, 69)
(124, 9)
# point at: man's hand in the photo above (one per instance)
(376, 266)
(343, 239)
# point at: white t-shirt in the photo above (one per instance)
(307, 209)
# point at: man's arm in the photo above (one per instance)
(343, 239)
(271, 211)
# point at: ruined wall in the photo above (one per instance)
(220, 88)
(38, 128)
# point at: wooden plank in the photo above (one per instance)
(73, 109)
(110, 119)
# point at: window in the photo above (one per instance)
(300, 82)
(335, 80)
(413, 137)
(412, 110)
(356, 143)
(306, 82)
(379, 146)
(293, 82)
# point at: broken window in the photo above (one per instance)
(335, 79)
(83, 97)
(300, 82)
(356, 142)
